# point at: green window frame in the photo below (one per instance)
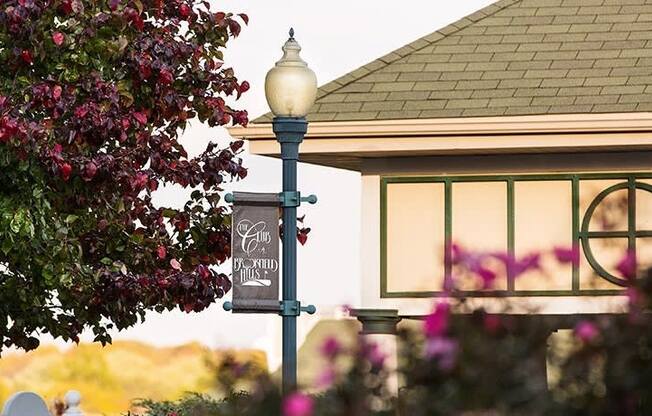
(581, 235)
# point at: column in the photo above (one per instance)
(379, 327)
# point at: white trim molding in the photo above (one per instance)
(343, 144)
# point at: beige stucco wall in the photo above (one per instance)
(481, 224)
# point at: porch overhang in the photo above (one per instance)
(345, 144)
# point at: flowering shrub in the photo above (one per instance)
(298, 404)
(480, 363)
(93, 98)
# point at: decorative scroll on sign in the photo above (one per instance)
(255, 252)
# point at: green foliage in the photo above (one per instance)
(193, 404)
(236, 404)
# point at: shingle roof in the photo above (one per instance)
(514, 57)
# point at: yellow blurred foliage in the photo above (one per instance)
(110, 378)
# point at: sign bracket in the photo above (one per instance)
(285, 199)
(285, 308)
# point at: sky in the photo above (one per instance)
(337, 36)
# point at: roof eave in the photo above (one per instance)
(341, 144)
(549, 123)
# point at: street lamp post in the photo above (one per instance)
(290, 89)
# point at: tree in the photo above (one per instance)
(94, 95)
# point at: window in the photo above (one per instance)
(604, 214)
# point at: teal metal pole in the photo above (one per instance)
(289, 132)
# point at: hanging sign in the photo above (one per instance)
(255, 252)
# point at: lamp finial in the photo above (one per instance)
(291, 33)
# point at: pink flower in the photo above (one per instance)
(627, 265)
(516, 267)
(326, 378)
(465, 258)
(298, 404)
(568, 255)
(586, 331)
(528, 262)
(374, 355)
(459, 254)
(636, 299)
(443, 350)
(58, 38)
(487, 276)
(436, 324)
(331, 348)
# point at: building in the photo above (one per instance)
(519, 128)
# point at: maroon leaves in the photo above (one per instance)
(242, 88)
(103, 140)
(140, 117)
(184, 10)
(235, 28)
(175, 264)
(236, 145)
(302, 235)
(132, 16)
(90, 170)
(66, 7)
(27, 57)
(56, 92)
(65, 170)
(241, 117)
(144, 68)
(8, 128)
(81, 111)
(165, 77)
(139, 181)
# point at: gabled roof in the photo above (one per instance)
(514, 57)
